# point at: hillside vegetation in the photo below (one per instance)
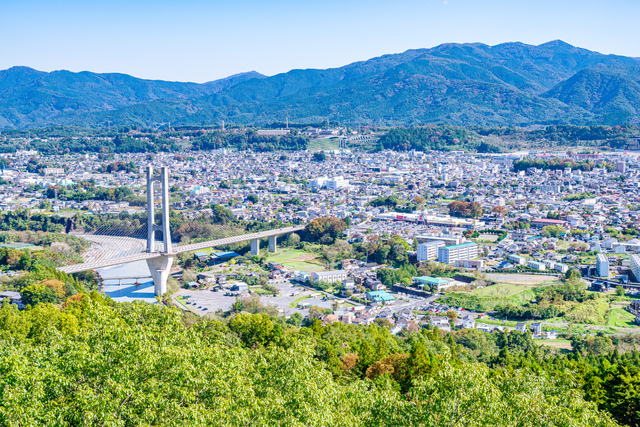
(93, 362)
(461, 84)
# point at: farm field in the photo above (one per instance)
(295, 259)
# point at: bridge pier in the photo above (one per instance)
(272, 243)
(255, 247)
(160, 268)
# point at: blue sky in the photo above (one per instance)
(198, 40)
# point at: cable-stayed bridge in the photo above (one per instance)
(160, 255)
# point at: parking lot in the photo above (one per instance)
(205, 301)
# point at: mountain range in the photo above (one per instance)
(461, 84)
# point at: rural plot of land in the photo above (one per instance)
(503, 290)
(298, 260)
(488, 237)
(520, 279)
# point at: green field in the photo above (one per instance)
(620, 318)
(323, 144)
(501, 290)
(295, 259)
(490, 296)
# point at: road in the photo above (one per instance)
(115, 255)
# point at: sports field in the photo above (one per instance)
(295, 259)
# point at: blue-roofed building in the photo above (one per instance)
(435, 284)
(223, 256)
(379, 296)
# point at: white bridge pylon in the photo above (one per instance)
(160, 262)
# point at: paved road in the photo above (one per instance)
(109, 259)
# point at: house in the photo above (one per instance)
(440, 322)
(201, 256)
(536, 328)
(551, 335)
(13, 297)
(522, 327)
(468, 322)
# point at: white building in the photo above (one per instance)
(602, 265)
(319, 182)
(562, 268)
(429, 250)
(536, 265)
(470, 263)
(517, 259)
(329, 276)
(336, 183)
(449, 254)
(635, 266)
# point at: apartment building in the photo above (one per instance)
(429, 250)
(449, 254)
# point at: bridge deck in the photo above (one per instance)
(75, 268)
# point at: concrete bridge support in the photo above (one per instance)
(160, 268)
(255, 247)
(272, 243)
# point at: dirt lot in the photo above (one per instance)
(520, 279)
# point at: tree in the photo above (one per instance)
(620, 291)
(25, 262)
(553, 231)
(453, 316)
(500, 210)
(221, 215)
(572, 275)
(319, 156)
(465, 209)
(324, 230)
(295, 319)
(293, 240)
(39, 293)
(252, 328)
(253, 198)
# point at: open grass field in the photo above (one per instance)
(488, 237)
(323, 144)
(620, 318)
(501, 290)
(521, 279)
(295, 259)
(559, 344)
(487, 298)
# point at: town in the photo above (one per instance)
(428, 239)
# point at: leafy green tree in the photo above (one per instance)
(253, 328)
(319, 156)
(25, 261)
(38, 293)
